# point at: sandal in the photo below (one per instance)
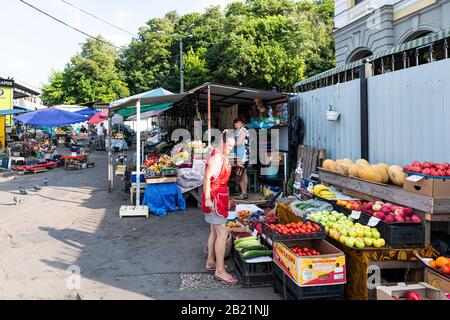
(242, 197)
(213, 269)
(231, 281)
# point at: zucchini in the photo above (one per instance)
(257, 253)
(244, 239)
(260, 247)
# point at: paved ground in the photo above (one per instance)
(74, 222)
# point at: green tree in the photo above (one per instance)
(93, 75)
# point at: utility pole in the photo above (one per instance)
(181, 67)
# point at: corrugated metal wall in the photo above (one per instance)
(409, 114)
(342, 138)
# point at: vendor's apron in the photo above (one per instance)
(219, 189)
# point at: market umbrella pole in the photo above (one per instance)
(138, 154)
(110, 166)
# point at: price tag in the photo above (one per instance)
(355, 214)
(255, 233)
(373, 221)
(415, 178)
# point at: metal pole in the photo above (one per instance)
(181, 67)
(110, 166)
(209, 115)
(138, 154)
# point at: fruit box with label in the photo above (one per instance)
(432, 187)
(437, 280)
(399, 291)
(328, 268)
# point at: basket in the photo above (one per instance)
(228, 246)
(253, 275)
(289, 290)
(401, 234)
(274, 236)
(253, 281)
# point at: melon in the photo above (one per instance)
(396, 175)
(383, 173)
(353, 170)
(343, 168)
(370, 174)
(362, 163)
(384, 165)
(327, 164)
(347, 161)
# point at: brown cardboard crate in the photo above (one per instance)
(437, 280)
(427, 291)
(436, 188)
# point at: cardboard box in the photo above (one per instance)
(436, 188)
(398, 292)
(325, 269)
(437, 280)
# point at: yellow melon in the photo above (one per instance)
(383, 173)
(396, 175)
(347, 161)
(384, 165)
(353, 170)
(362, 163)
(343, 168)
(327, 163)
(370, 174)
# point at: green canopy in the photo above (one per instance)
(131, 111)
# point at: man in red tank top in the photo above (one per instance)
(215, 206)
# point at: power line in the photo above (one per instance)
(98, 18)
(68, 25)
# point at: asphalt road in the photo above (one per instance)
(72, 226)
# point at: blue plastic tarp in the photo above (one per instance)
(163, 198)
(50, 118)
(12, 112)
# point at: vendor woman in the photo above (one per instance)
(215, 206)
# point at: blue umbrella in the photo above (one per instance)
(87, 112)
(50, 118)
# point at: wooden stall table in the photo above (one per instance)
(74, 162)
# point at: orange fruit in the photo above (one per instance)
(442, 262)
(432, 263)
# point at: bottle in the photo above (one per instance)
(298, 178)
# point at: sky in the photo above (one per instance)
(32, 44)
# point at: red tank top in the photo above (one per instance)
(219, 188)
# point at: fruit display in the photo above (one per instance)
(342, 228)
(322, 191)
(413, 295)
(151, 160)
(441, 264)
(349, 204)
(389, 212)
(233, 224)
(165, 161)
(243, 216)
(305, 252)
(198, 146)
(429, 168)
(307, 227)
(181, 157)
(380, 172)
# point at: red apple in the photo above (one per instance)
(416, 218)
(408, 211)
(399, 219)
(376, 207)
(389, 219)
(370, 204)
(385, 210)
(407, 218)
(369, 212)
(380, 215)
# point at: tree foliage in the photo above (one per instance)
(93, 75)
(258, 43)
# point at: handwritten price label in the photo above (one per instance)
(373, 221)
(355, 214)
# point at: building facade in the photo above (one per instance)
(366, 27)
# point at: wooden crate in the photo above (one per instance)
(311, 159)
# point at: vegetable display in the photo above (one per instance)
(251, 248)
(304, 252)
(296, 228)
(429, 168)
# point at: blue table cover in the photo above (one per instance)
(162, 198)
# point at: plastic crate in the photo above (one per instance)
(274, 236)
(253, 281)
(399, 235)
(289, 290)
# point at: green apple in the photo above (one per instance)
(373, 229)
(360, 233)
(324, 219)
(358, 224)
(368, 242)
(332, 218)
(343, 231)
(327, 229)
(378, 243)
(367, 234)
(376, 235)
(366, 228)
(352, 233)
(350, 242)
(342, 218)
(359, 244)
(342, 239)
(382, 242)
(325, 212)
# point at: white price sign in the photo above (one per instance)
(373, 221)
(355, 214)
(414, 178)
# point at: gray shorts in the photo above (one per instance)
(214, 218)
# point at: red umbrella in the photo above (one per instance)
(99, 117)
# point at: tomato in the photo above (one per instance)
(284, 232)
